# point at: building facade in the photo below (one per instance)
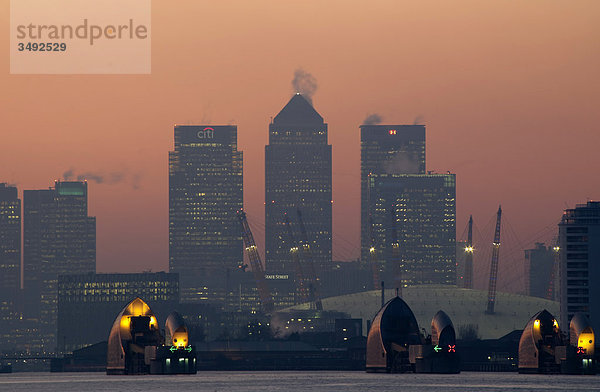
(10, 255)
(89, 303)
(420, 211)
(387, 149)
(59, 238)
(297, 178)
(579, 241)
(205, 193)
(540, 271)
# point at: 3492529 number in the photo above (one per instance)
(42, 46)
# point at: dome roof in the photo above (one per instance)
(464, 307)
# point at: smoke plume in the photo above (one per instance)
(402, 163)
(111, 178)
(373, 119)
(305, 84)
(420, 119)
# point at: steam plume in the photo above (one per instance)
(305, 84)
(401, 163)
(420, 119)
(373, 119)
(112, 178)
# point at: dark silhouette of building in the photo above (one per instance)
(341, 278)
(422, 210)
(205, 192)
(87, 303)
(579, 241)
(59, 238)
(10, 255)
(297, 177)
(539, 263)
(387, 149)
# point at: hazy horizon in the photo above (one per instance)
(508, 93)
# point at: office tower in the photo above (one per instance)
(421, 209)
(297, 177)
(579, 241)
(539, 269)
(59, 238)
(387, 149)
(205, 193)
(10, 253)
(88, 303)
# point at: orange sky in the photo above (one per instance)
(509, 92)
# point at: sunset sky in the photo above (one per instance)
(509, 92)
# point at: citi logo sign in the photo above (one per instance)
(206, 133)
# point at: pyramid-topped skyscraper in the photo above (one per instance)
(297, 177)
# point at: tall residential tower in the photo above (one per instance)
(579, 241)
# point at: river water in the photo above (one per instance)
(297, 381)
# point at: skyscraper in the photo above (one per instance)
(59, 238)
(10, 252)
(205, 192)
(387, 149)
(421, 210)
(579, 241)
(297, 177)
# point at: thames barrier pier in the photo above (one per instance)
(395, 343)
(136, 346)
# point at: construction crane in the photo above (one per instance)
(468, 284)
(397, 262)
(313, 281)
(494, 265)
(257, 268)
(373, 260)
(300, 279)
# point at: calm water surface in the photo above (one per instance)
(297, 381)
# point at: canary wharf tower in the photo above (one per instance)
(297, 177)
(205, 193)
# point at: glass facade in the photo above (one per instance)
(59, 238)
(297, 177)
(10, 256)
(422, 208)
(205, 192)
(579, 241)
(387, 149)
(88, 303)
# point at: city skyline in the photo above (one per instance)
(507, 136)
